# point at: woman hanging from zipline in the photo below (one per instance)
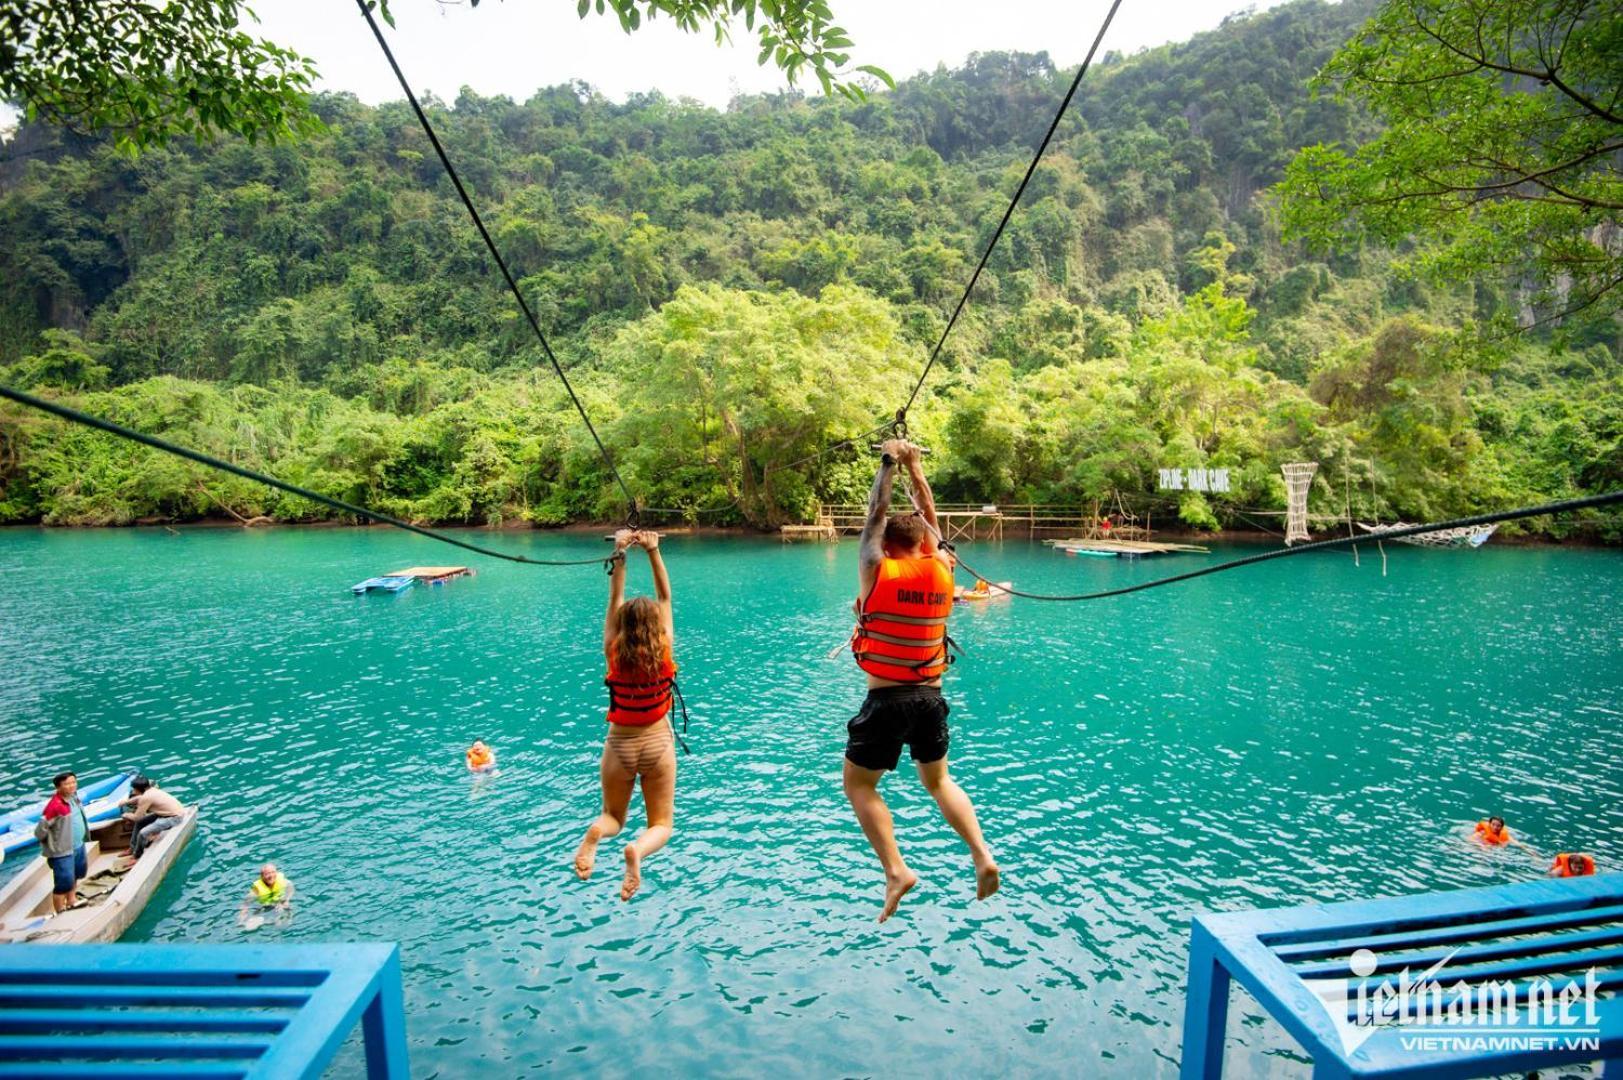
(641, 744)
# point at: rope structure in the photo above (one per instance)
(66, 412)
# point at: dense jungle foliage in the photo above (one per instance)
(732, 291)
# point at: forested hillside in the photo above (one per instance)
(734, 290)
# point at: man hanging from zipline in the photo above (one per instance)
(901, 644)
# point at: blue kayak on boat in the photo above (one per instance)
(101, 801)
(391, 583)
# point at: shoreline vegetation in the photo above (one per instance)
(732, 291)
(746, 532)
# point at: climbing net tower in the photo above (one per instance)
(1298, 478)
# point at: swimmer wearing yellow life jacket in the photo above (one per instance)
(901, 645)
(270, 891)
(1493, 832)
(1572, 864)
(641, 744)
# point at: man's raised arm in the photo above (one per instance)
(923, 497)
(872, 548)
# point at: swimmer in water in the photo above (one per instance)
(1493, 832)
(481, 758)
(1572, 864)
(271, 893)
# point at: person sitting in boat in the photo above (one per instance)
(641, 744)
(1572, 864)
(481, 758)
(1493, 832)
(271, 891)
(151, 813)
(61, 834)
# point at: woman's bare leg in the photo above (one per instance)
(659, 797)
(862, 788)
(617, 785)
(960, 814)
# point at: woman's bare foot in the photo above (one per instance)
(586, 857)
(633, 881)
(987, 878)
(895, 888)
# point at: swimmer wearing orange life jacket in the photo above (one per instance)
(481, 758)
(641, 744)
(1493, 832)
(901, 643)
(1572, 864)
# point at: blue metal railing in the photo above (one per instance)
(233, 1012)
(1325, 972)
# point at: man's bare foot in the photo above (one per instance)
(586, 857)
(896, 888)
(987, 878)
(633, 881)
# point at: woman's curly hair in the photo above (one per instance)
(640, 642)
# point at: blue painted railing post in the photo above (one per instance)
(383, 1026)
(1206, 1008)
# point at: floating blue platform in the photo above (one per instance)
(390, 583)
(233, 1012)
(1321, 969)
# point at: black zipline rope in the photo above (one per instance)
(1007, 214)
(1565, 506)
(535, 324)
(900, 420)
(66, 412)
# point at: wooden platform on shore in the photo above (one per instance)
(1128, 548)
(822, 531)
(432, 574)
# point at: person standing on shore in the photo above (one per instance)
(901, 644)
(641, 744)
(61, 834)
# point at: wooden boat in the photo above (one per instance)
(101, 801)
(391, 583)
(115, 898)
(969, 596)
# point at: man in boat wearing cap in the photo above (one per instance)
(901, 645)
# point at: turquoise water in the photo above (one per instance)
(1301, 730)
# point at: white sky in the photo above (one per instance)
(514, 47)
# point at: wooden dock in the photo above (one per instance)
(432, 575)
(808, 532)
(1130, 549)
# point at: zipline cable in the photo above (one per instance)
(535, 324)
(1007, 214)
(900, 420)
(66, 412)
(1608, 499)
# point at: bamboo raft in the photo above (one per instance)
(432, 575)
(1126, 549)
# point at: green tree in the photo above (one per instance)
(1502, 132)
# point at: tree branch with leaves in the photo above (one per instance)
(1501, 151)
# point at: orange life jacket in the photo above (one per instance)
(1575, 864)
(901, 630)
(1488, 836)
(637, 701)
(478, 759)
